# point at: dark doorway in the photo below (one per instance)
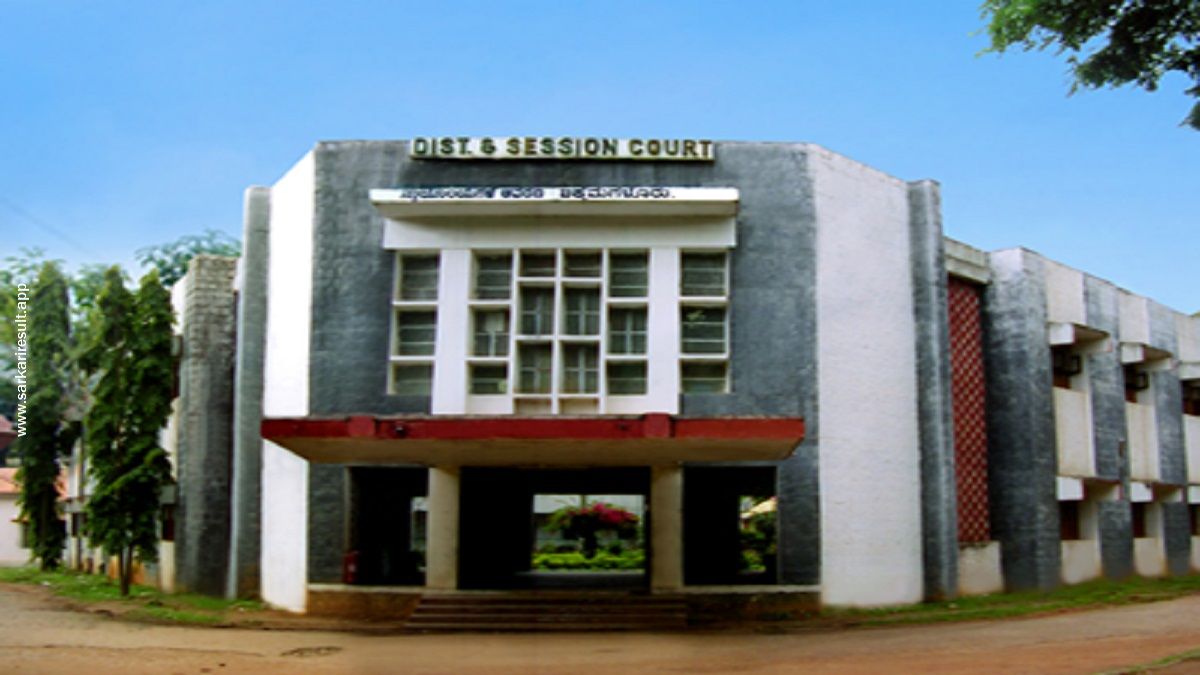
(387, 526)
(729, 525)
(498, 530)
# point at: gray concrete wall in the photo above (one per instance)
(245, 496)
(939, 513)
(205, 426)
(1168, 400)
(1022, 456)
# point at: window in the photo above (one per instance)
(415, 333)
(1140, 514)
(491, 332)
(582, 313)
(703, 330)
(1068, 521)
(627, 330)
(493, 276)
(626, 378)
(583, 265)
(629, 275)
(489, 379)
(537, 311)
(418, 277)
(1136, 380)
(1191, 397)
(537, 264)
(412, 379)
(580, 369)
(703, 275)
(704, 377)
(535, 368)
(1065, 364)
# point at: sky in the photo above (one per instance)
(129, 124)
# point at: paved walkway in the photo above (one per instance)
(39, 635)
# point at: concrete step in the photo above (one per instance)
(548, 612)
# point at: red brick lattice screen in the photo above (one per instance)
(969, 388)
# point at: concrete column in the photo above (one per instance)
(245, 497)
(441, 549)
(939, 506)
(666, 528)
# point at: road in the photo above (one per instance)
(39, 634)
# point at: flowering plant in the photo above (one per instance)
(585, 522)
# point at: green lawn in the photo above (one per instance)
(144, 602)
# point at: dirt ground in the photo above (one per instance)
(43, 634)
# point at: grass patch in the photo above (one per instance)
(144, 602)
(1101, 593)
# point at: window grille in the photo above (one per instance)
(627, 330)
(491, 333)
(703, 275)
(535, 369)
(418, 277)
(489, 379)
(537, 311)
(537, 264)
(580, 369)
(583, 265)
(412, 379)
(704, 378)
(703, 330)
(629, 275)
(493, 277)
(626, 378)
(415, 333)
(582, 312)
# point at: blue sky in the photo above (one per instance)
(125, 124)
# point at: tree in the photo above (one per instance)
(171, 259)
(48, 436)
(131, 402)
(1126, 41)
(18, 270)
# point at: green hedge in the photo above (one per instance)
(632, 559)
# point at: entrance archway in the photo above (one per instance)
(498, 529)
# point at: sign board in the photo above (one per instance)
(563, 148)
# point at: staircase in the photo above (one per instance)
(548, 611)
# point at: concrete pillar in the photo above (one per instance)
(245, 515)
(666, 528)
(441, 548)
(939, 506)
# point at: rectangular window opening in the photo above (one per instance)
(627, 330)
(580, 369)
(705, 378)
(489, 379)
(418, 277)
(416, 333)
(583, 265)
(628, 275)
(493, 276)
(626, 379)
(703, 330)
(491, 332)
(537, 311)
(704, 274)
(412, 379)
(537, 264)
(534, 369)
(581, 316)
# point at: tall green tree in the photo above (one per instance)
(171, 259)
(131, 353)
(1110, 43)
(48, 436)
